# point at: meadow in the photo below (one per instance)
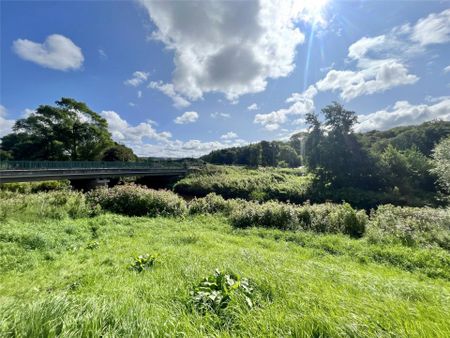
(74, 265)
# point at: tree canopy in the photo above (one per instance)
(70, 130)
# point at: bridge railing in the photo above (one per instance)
(30, 165)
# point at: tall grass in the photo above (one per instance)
(309, 285)
(253, 184)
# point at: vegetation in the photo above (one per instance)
(254, 184)
(68, 131)
(293, 282)
(441, 161)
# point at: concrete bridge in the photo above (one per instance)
(87, 174)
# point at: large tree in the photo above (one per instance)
(68, 131)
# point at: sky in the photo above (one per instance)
(182, 78)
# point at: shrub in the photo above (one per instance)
(321, 218)
(135, 200)
(210, 204)
(214, 293)
(410, 226)
(143, 262)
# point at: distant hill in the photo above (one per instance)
(289, 154)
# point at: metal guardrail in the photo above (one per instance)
(30, 165)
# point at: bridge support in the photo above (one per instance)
(88, 184)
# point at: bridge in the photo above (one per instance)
(88, 174)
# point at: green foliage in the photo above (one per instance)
(410, 226)
(441, 163)
(264, 153)
(214, 293)
(58, 204)
(135, 200)
(258, 184)
(118, 152)
(68, 131)
(143, 262)
(320, 218)
(211, 204)
(33, 187)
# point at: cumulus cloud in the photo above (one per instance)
(122, 131)
(187, 117)
(228, 136)
(381, 61)
(253, 106)
(5, 124)
(145, 140)
(447, 69)
(301, 104)
(377, 77)
(56, 52)
(403, 113)
(433, 29)
(138, 78)
(227, 46)
(217, 115)
(169, 90)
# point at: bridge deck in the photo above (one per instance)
(21, 175)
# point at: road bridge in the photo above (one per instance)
(88, 173)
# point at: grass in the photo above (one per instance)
(71, 277)
(260, 184)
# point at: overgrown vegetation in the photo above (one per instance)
(135, 200)
(299, 282)
(254, 184)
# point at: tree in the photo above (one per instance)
(441, 163)
(118, 152)
(67, 131)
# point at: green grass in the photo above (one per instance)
(255, 184)
(71, 277)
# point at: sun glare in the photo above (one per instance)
(311, 10)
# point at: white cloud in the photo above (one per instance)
(403, 113)
(301, 104)
(131, 104)
(139, 94)
(227, 46)
(27, 112)
(447, 69)
(253, 106)
(168, 90)
(381, 61)
(378, 76)
(138, 78)
(216, 115)
(121, 131)
(146, 141)
(187, 117)
(56, 52)
(5, 124)
(433, 29)
(228, 136)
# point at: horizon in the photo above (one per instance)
(225, 74)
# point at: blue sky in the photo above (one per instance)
(181, 78)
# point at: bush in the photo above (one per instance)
(135, 200)
(410, 226)
(320, 218)
(210, 204)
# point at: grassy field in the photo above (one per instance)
(63, 276)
